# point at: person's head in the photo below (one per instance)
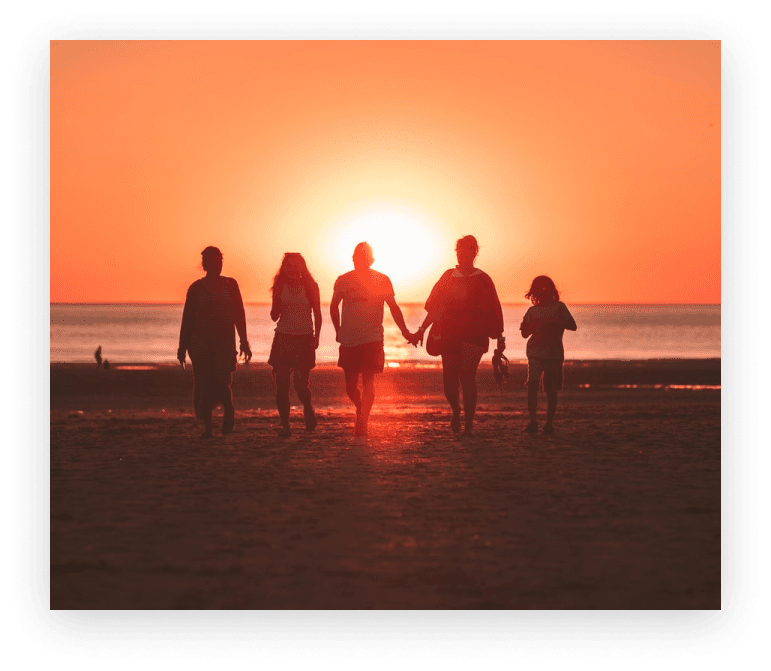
(211, 260)
(542, 291)
(363, 258)
(466, 249)
(293, 268)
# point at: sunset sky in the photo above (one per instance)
(597, 163)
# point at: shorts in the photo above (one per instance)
(463, 354)
(549, 369)
(366, 358)
(295, 351)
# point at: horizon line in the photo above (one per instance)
(411, 303)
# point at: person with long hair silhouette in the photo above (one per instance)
(297, 309)
(544, 324)
(464, 308)
(213, 306)
(359, 330)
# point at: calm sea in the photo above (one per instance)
(132, 333)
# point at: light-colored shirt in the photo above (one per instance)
(361, 318)
(546, 342)
(296, 311)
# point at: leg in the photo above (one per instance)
(208, 428)
(552, 383)
(203, 389)
(281, 373)
(534, 373)
(551, 408)
(532, 408)
(229, 416)
(451, 380)
(367, 398)
(352, 389)
(470, 358)
(301, 379)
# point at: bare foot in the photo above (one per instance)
(455, 422)
(310, 419)
(229, 420)
(532, 427)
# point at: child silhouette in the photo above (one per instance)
(544, 324)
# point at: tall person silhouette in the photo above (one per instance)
(464, 307)
(213, 307)
(359, 330)
(297, 309)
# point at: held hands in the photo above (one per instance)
(181, 354)
(316, 340)
(501, 345)
(246, 351)
(413, 338)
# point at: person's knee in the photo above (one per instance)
(300, 384)
(468, 379)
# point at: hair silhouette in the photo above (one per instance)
(363, 255)
(468, 242)
(209, 254)
(282, 277)
(543, 290)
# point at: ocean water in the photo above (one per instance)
(132, 333)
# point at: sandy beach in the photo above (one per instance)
(619, 509)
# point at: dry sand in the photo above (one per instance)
(619, 509)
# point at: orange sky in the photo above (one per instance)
(597, 163)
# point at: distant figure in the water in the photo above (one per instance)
(106, 365)
(213, 306)
(359, 331)
(297, 309)
(544, 324)
(98, 356)
(465, 312)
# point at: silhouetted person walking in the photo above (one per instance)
(544, 324)
(464, 307)
(297, 308)
(359, 331)
(98, 356)
(213, 306)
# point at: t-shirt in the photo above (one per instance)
(546, 342)
(361, 318)
(295, 316)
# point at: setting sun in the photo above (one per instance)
(408, 247)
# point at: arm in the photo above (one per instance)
(567, 319)
(239, 317)
(496, 330)
(530, 327)
(334, 311)
(396, 313)
(186, 330)
(316, 317)
(275, 308)
(417, 339)
(433, 308)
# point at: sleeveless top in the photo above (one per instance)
(296, 311)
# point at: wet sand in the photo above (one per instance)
(620, 508)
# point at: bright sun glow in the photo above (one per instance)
(408, 247)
